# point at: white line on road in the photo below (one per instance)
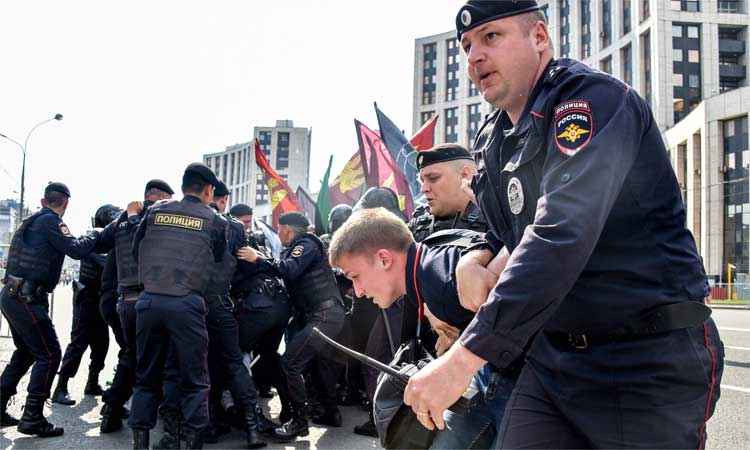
(735, 388)
(744, 330)
(747, 349)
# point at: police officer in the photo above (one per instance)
(89, 328)
(35, 260)
(176, 245)
(119, 236)
(604, 285)
(336, 218)
(317, 303)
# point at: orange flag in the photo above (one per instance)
(282, 197)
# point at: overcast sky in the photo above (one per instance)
(147, 87)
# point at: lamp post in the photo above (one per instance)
(24, 147)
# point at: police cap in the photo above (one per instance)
(478, 12)
(294, 219)
(221, 190)
(442, 153)
(56, 187)
(200, 171)
(240, 210)
(160, 185)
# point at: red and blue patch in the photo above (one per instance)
(574, 126)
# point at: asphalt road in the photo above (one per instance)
(728, 429)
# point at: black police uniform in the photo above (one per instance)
(36, 255)
(316, 299)
(423, 223)
(108, 300)
(176, 245)
(602, 271)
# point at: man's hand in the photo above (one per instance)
(134, 208)
(440, 384)
(247, 254)
(447, 334)
(473, 280)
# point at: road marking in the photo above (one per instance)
(744, 330)
(735, 388)
(747, 349)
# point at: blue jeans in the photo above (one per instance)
(478, 427)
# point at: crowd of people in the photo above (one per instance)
(546, 295)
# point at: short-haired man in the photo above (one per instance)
(603, 292)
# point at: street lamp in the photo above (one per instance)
(24, 147)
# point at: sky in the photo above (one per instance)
(146, 87)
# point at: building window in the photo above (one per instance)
(451, 125)
(730, 6)
(425, 116)
(646, 64)
(232, 165)
(261, 190)
(606, 32)
(474, 119)
(732, 47)
(473, 91)
(585, 29)
(626, 25)
(282, 151)
(429, 72)
(626, 55)
(451, 70)
(264, 139)
(686, 70)
(645, 9)
(737, 201)
(224, 160)
(686, 5)
(606, 65)
(564, 28)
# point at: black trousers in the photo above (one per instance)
(89, 330)
(653, 392)
(36, 345)
(122, 385)
(303, 348)
(180, 321)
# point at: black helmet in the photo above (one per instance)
(104, 215)
(339, 214)
(380, 197)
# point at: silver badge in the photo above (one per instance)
(515, 196)
(466, 17)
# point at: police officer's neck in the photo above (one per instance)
(516, 111)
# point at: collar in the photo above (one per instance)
(191, 198)
(550, 73)
(46, 210)
(411, 261)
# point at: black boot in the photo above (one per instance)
(252, 429)
(92, 385)
(297, 426)
(140, 439)
(194, 441)
(111, 418)
(265, 425)
(331, 416)
(33, 421)
(172, 429)
(6, 420)
(61, 394)
(368, 428)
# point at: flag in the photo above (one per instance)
(401, 151)
(324, 198)
(424, 139)
(350, 184)
(282, 197)
(380, 168)
(310, 209)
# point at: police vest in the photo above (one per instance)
(176, 253)
(316, 285)
(423, 224)
(90, 274)
(127, 266)
(222, 272)
(33, 263)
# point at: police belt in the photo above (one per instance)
(130, 294)
(25, 291)
(675, 316)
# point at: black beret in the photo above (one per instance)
(442, 153)
(56, 187)
(478, 12)
(201, 171)
(221, 190)
(295, 219)
(160, 185)
(241, 209)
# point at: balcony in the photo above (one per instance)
(732, 46)
(735, 71)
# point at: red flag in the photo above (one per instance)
(425, 137)
(282, 197)
(350, 184)
(380, 169)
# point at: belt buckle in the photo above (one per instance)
(578, 341)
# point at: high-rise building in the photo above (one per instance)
(687, 58)
(288, 150)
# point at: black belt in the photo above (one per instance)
(23, 290)
(675, 316)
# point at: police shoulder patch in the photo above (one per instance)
(297, 251)
(64, 230)
(574, 126)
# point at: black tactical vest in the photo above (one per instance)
(33, 263)
(90, 274)
(222, 272)
(423, 223)
(127, 266)
(317, 284)
(176, 253)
